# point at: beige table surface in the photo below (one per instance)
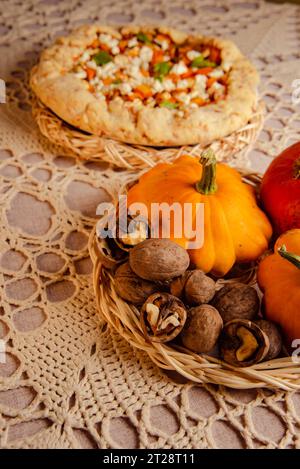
(67, 382)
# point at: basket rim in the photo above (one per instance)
(280, 373)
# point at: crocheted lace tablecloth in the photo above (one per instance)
(66, 380)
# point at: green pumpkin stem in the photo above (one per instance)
(207, 184)
(289, 256)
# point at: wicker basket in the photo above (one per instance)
(94, 147)
(281, 373)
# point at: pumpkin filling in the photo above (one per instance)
(152, 70)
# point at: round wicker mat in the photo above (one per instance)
(94, 147)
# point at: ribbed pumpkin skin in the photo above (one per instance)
(235, 229)
(279, 279)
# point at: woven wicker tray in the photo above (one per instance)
(281, 373)
(94, 147)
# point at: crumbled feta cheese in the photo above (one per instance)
(193, 54)
(194, 94)
(94, 81)
(121, 60)
(216, 73)
(105, 38)
(92, 64)
(217, 86)
(108, 69)
(85, 57)
(183, 98)
(134, 71)
(146, 54)
(125, 88)
(199, 94)
(169, 85)
(217, 89)
(179, 68)
(200, 80)
(81, 74)
(145, 66)
(108, 40)
(132, 42)
(158, 87)
(182, 84)
(199, 88)
(99, 72)
(149, 81)
(200, 85)
(135, 61)
(114, 43)
(115, 50)
(164, 44)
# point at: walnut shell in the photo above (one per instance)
(275, 339)
(135, 231)
(109, 253)
(177, 285)
(158, 259)
(243, 343)
(236, 301)
(132, 288)
(162, 317)
(202, 329)
(199, 288)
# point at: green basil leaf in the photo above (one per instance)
(102, 58)
(118, 81)
(201, 62)
(162, 69)
(168, 105)
(143, 38)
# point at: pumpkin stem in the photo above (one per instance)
(289, 256)
(207, 184)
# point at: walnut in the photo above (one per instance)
(236, 301)
(177, 285)
(243, 343)
(274, 335)
(202, 329)
(162, 317)
(135, 231)
(109, 253)
(132, 288)
(158, 259)
(196, 287)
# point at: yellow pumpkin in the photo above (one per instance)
(279, 278)
(235, 229)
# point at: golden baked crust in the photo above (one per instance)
(59, 88)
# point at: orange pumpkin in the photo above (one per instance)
(235, 229)
(279, 278)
